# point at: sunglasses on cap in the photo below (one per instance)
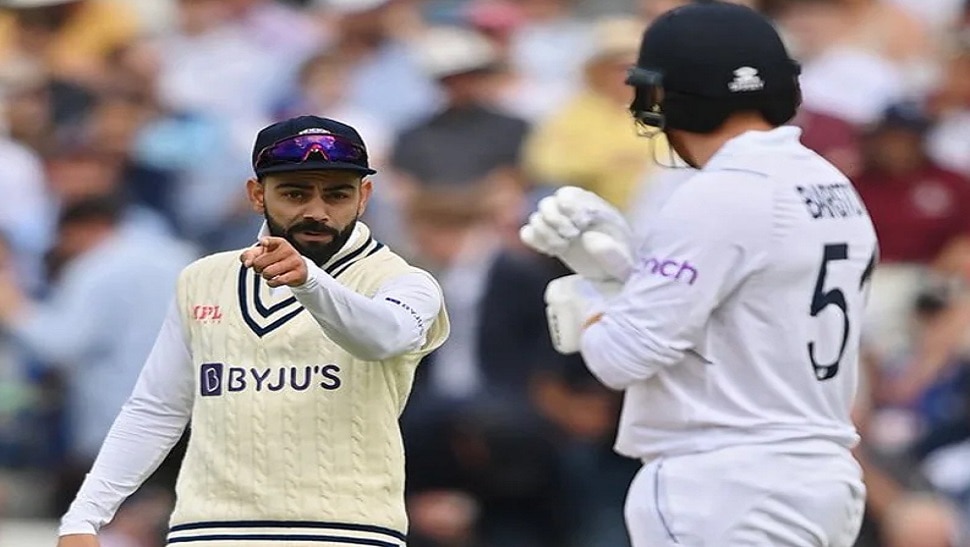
(298, 149)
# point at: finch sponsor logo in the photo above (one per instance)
(216, 379)
(671, 269)
(207, 314)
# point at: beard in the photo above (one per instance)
(318, 252)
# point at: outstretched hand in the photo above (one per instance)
(275, 259)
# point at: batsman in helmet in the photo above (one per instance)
(733, 327)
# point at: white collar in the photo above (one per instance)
(737, 153)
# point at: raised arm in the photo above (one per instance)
(392, 322)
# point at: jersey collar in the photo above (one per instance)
(755, 150)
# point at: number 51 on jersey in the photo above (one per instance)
(835, 296)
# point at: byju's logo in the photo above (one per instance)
(216, 378)
(211, 379)
(671, 269)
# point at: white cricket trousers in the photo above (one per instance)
(752, 496)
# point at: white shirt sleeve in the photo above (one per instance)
(393, 322)
(703, 244)
(148, 426)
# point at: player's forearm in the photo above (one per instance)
(135, 446)
(370, 328)
(130, 454)
(146, 429)
(619, 355)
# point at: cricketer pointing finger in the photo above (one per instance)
(294, 384)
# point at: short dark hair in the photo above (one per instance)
(104, 208)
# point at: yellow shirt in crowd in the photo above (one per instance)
(97, 28)
(592, 143)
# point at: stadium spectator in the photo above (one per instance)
(918, 207)
(131, 275)
(468, 139)
(74, 38)
(591, 141)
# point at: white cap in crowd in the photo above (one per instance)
(446, 50)
(350, 6)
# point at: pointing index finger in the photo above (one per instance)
(250, 254)
(270, 243)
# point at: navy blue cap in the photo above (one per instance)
(909, 115)
(302, 125)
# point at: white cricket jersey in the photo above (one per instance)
(741, 321)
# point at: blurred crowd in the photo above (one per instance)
(126, 129)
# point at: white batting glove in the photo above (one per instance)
(570, 302)
(580, 228)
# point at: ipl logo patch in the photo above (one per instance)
(207, 314)
(210, 380)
